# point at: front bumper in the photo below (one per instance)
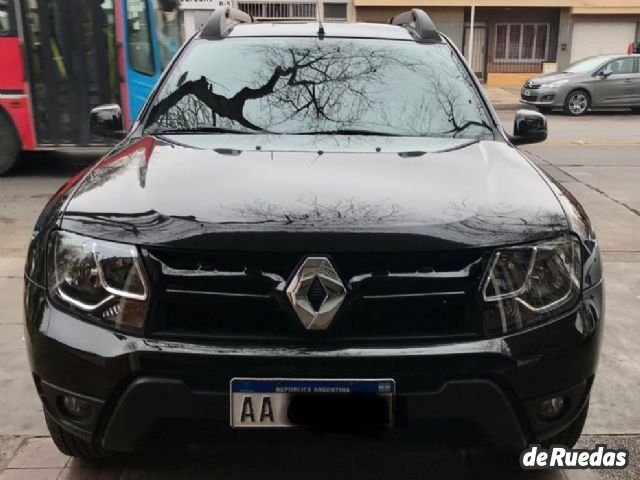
(495, 385)
(542, 97)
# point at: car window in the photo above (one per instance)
(586, 65)
(306, 85)
(621, 66)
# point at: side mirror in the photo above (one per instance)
(529, 127)
(604, 74)
(106, 121)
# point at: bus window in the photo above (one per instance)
(5, 19)
(139, 37)
(108, 27)
(168, 30)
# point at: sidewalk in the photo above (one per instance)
(504, 98)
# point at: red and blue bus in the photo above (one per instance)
(61, 58)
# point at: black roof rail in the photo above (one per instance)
(420, 26)
(222, 22)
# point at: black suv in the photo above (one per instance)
(321, 227)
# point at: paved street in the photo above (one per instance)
(596, 157)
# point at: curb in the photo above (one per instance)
(510, 106)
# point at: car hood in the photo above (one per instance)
(472, 194)
(548, 78)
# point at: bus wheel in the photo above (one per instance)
(9, 145)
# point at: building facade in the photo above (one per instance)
(514, 40)
(195, 13)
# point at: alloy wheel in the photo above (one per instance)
(578, 103)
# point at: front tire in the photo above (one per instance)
(74, 446)
(577, 103)
(570, 435)
(9, 144)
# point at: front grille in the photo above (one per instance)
(532, 86)
(530, 98)
(240, 297)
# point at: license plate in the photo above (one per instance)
(290, 403)
(527, 93)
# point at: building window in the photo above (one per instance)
(270, 11)
(522, 42)
(139, 38)
(335, 11)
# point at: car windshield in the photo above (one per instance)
(587, 65)
(300, 86)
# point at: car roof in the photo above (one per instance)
(610, 56)
(310, 29)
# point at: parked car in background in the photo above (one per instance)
(595, 82)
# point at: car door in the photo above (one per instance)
(635, 95)
(615, 82)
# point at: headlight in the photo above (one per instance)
(555, 84)
(103, 280)
(529, 284)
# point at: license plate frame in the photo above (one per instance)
(273, 402)
(527, 93)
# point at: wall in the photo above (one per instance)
(448, 20)
(565, 29)
(602, 34)
(603, 6)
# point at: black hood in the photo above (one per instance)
(159, 193)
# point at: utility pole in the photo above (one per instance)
(473, 21)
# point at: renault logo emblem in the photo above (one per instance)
(316, 293)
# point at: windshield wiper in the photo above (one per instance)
(178, 131)
(348, 131)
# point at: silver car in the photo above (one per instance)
(596, 82)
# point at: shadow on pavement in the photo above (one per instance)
(63, 164)
(592, 113)
(335, 457)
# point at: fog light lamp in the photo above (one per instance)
(552, 408)
(74, 406)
